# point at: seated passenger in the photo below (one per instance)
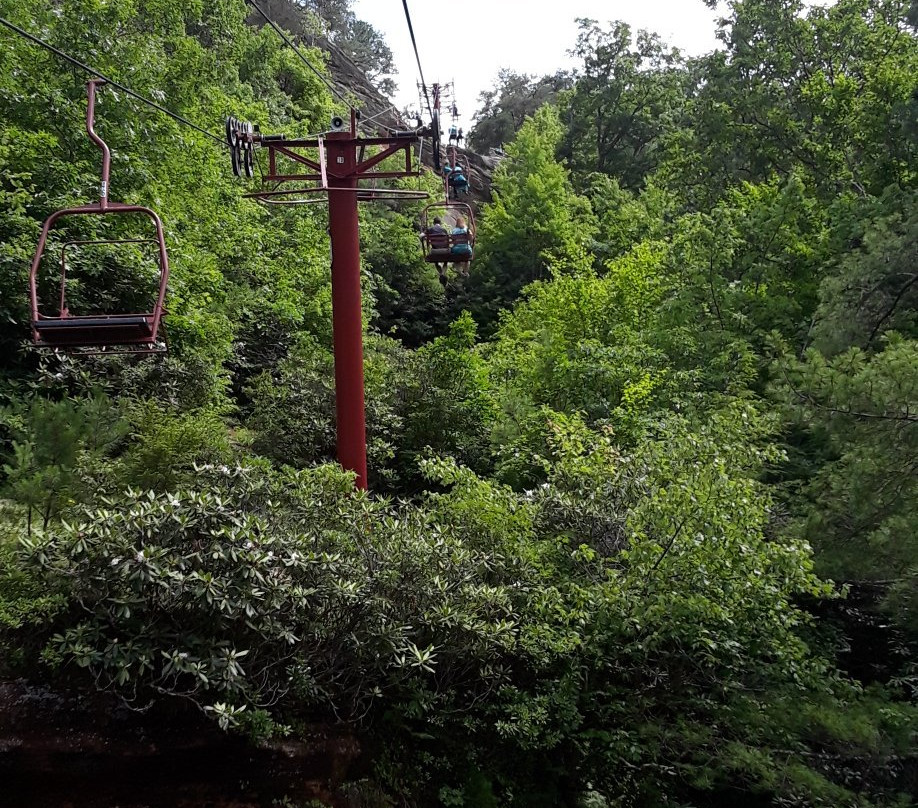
(437, 238)
(461, 246)
(437, 227)
(459, 182)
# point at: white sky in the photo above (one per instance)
(470, 40)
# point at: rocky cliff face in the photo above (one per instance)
(378, 113)
(352, 81)
(481, 169)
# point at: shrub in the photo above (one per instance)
(281, 592)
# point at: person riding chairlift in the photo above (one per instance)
(458, 182)
(453, 133)
(461, 246)
(438, 240)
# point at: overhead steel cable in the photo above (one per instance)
(385, 111)
(127, 90)
(361, 123)
(280, 32)
(366, 122)
(417, 57)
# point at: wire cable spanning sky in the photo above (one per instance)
(470, 41)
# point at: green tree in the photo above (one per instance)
(826, 90)
(503, 110)
(629, 92)
(872, 286)
(51, 442)
(535, 224)
(366, 47)
(860, 504)
(448, 404)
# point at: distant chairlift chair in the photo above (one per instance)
(101, 333)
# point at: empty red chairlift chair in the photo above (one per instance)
(100, 333)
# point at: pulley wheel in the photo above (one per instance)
(232, 140)
(248, 148)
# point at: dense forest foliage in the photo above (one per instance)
(643, 520)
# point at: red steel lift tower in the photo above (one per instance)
(337, 160)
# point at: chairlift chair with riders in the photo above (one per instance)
(99, 332)
(438, 247)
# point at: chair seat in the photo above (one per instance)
(95, 331)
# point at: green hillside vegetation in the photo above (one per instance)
(642, 528)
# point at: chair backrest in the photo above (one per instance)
(438, 241)
(461, 238)
(153, 311)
